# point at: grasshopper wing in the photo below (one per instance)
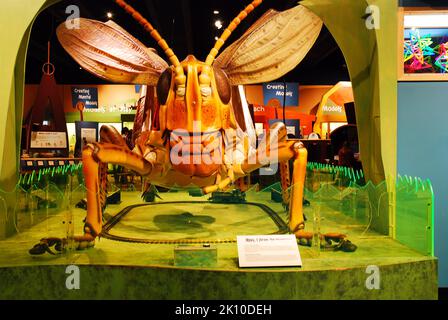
(272, 47)
(109, 52)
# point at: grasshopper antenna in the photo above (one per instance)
(180, 77)
(204, 78)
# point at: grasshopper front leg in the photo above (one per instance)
(296, 217)
(95, 157)
(277, 149)
(112, 149)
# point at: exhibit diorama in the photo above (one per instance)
(223, 149)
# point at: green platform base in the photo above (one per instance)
(414, 280)
(120, 270)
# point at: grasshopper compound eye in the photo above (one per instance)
(163, 86)
(223, 85)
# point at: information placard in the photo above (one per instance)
(268, 251)
(88, 135)
(49, 140)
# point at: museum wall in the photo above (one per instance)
(113, 101)
(309, 96)
(112, 97)
(422, 151)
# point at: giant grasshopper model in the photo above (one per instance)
(194, 132)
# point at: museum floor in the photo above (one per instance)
(122, 270)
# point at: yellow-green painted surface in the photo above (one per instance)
(15, 24)
(371, 60)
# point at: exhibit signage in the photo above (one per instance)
(268, 251)
(48, 139)
(88, 135)
(273, 94)
(86, 132)
(265, 112)
(329, 109)
(292, 126)
(259, 109)
(87, 95)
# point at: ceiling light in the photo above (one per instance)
(109, 15)
(426, 20)
(215, 12)
(218, 24)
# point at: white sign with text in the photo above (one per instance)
(268, 251)
(48, 139)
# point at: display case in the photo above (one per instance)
(185, 232)
(423, 55)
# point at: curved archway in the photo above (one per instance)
(373, 75)
(15, 37)
(366, 52)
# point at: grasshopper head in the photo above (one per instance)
(194, 106)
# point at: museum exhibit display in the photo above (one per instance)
(45, 127)
(425, 35)
(224, 167)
